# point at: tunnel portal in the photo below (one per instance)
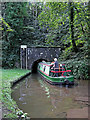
(30, 57)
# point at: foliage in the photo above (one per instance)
(78, 63)
(22, 18)
(9, 75)
(6, 24)
(55, 18)
(79, 68)
(45, 24)
(38, 35)
(14, 15)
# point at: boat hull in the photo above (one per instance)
(58, 80)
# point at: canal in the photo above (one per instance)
(41, 100)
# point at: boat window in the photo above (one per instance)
(39, 66)
(44, 68)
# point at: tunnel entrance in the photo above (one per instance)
(35, 64)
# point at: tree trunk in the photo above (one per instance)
(72, 26)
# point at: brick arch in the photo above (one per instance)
(30, 55)
(35, 64)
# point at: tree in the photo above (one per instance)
(43, 24)
(22, 18)
(66, 20)
(72, 25)
(14, 14)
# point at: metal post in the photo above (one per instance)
(23, 47)
(26, 58)
(21, 57)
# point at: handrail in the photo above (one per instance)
(57, 71)
(45, 64)
(61, 71)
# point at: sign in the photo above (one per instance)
(23, 46)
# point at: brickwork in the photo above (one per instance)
(38, 54)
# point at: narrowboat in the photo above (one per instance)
(64, 76)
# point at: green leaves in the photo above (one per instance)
(14, 14)
(55, 17)
(38, 24)
(78, 67)
(5, 24)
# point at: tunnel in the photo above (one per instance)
(35, 64)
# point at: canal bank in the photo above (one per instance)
(19, 79)
(9, 78)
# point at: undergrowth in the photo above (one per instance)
(10, 108)
(77, 62)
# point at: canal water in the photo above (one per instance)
(41, 100)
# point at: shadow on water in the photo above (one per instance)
(42, 100)
(70, 86)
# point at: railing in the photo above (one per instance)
(60, 71)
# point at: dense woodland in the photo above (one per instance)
(48, 24)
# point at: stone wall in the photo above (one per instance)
(39, 53)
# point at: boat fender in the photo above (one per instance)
(66, 81)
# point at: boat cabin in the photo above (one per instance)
(47, 68)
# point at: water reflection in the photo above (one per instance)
(40, 99)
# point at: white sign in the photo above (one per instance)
(23, 46)
(41, 53)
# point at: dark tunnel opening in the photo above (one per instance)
(35, 65)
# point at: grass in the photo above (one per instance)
(9, 105)
(12, 74)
